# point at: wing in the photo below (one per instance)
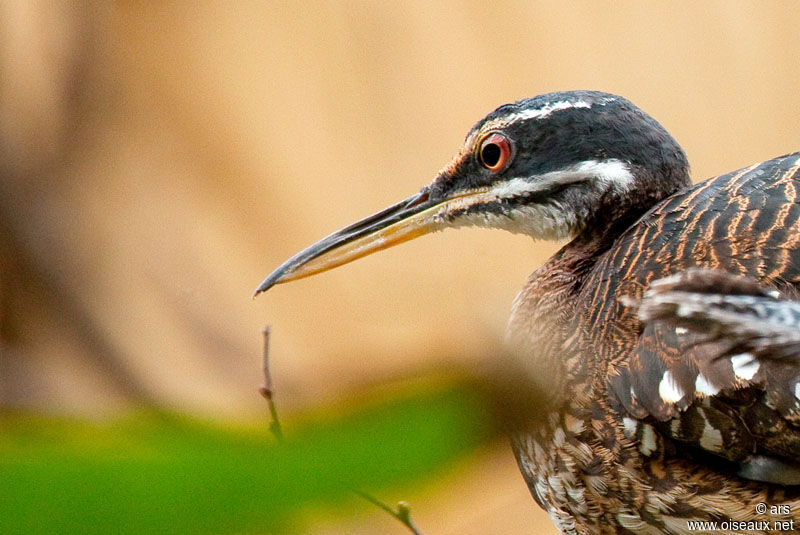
(731, 324)
(710, 391)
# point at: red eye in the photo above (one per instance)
(495, 152)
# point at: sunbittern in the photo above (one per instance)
(648, 427)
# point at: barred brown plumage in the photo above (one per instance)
(639, 430)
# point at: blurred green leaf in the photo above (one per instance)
(168, 474)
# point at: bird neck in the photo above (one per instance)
(539, 327)
(565, 271)
(544, 356)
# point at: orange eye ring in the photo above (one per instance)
(495, 152)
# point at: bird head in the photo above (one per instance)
(555, 166)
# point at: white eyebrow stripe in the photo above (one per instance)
(610, 174)
(547, 110)
(541, 113)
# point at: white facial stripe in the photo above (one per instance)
(549, 220)
(609, 174)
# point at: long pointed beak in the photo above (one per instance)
(406, 220)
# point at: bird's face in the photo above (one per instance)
(550, 167)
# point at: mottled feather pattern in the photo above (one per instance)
(647, 431)
(757, 333)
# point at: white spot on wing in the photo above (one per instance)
(704, 386)
(629, 426)
(686, 310)
(797, 390)
(745, 366)
(648, 445)
(681, 330)
(669, 390)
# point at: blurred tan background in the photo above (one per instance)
(157, 160)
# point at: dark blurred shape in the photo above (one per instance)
(47, 337)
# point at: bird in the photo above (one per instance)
(641, 426)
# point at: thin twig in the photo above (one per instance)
(403, 512)
(267, 392)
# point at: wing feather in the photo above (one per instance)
(744, 339)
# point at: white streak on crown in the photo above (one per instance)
(541, 113)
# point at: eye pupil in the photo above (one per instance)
(490, 154)
(495, 152)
